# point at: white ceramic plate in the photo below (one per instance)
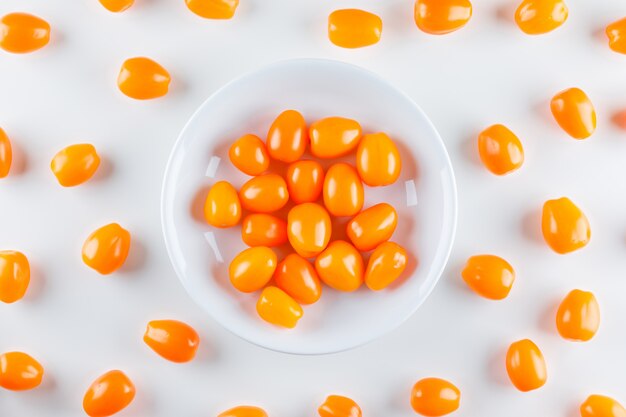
(424, 196)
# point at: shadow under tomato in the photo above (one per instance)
(547, 318)
(619, 119)
(497, 368)
(137, 257)
(197, 204)
(531, 226)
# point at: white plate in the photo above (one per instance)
(424, 196)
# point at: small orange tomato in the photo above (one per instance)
(288, 137)
(308, 229)
(489, 276)
(372, 226)
(340, 266)
(433, 397)
(276, 307)
(14, 276)
(439, 17)
(252, 269)
(535, 17)
(305, 180)
(616, 32)
(263, 230)
(264, 194)
(500, 150)
(75, 164)
(244, 411)
(106, 249)
(601, 406)
(354, 28)
(143, 79)
(574, 112)
(117, 6)
(578, 316)
(378, 160)
(385, 265)
(171, 339)
(249, 155)
(526, 366)
(339, 406)
(109, 394)
(343, 191)
(297, 277)
(19, 371)
(21, 33)
(213, 9)
(222, 207)
(6, 154)
(565, 227)
(333, 137)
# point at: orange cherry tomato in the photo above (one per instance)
(340, 266)
(252, 269)
(249, 155)
(244, 411)
(378, 160)
(339, 406)
(343, 191)
(433, 397)
(19, 371)
(385, 265)
(222, 207)
(500, 150)
(578, 316)
(14, 276)
(263, 230)
(439, 17)
(143, 79)
(288, 137)
(276, 307)
(171, 339)
(601, 406)
(109, 394)
(574, 112)
(264, 194)
(616, 32)
(305, 180)
(117, 6)
(536, 17)
(372, 226)
(565, 227)
(213, 9)
(6, 154)
(308, 229)
(333, 137)
(297, 277)
(489, 276)
(21, 33)
(354, 28)
(106, 249)
(526, 366)
(75, 164)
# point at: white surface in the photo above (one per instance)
(317, 88)
(80, 324)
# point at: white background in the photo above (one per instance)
(79, 324)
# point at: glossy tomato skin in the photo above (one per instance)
(564, 226)
(489, 276)
(142, 78)
(616, 33)
(333, 137)
(372, 226)
(288, 137)
(106, 249)
(249, 155)
(309, 229)
(276, 307)
(536, 17)
(19, 371)
(213, 9)
(601, 406)
(6, 154)
(244, 411)
(14, 276)
(343, 191)
(526, 366)
(354, 28)
(172, 339)
(438, 17)
(117, 6)
(340, 266)
(75, 164)
(434, 397)
(259, 229)
(305, 180)
(264, 194)
(574, 112)
(252, 269)
(578, 316)
(339, 406)
(109, 394)
(298, 278)
(386, 264)
(378, 160)
(500, 150)
(21, 33)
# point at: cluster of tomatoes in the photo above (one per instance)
(307, 226)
